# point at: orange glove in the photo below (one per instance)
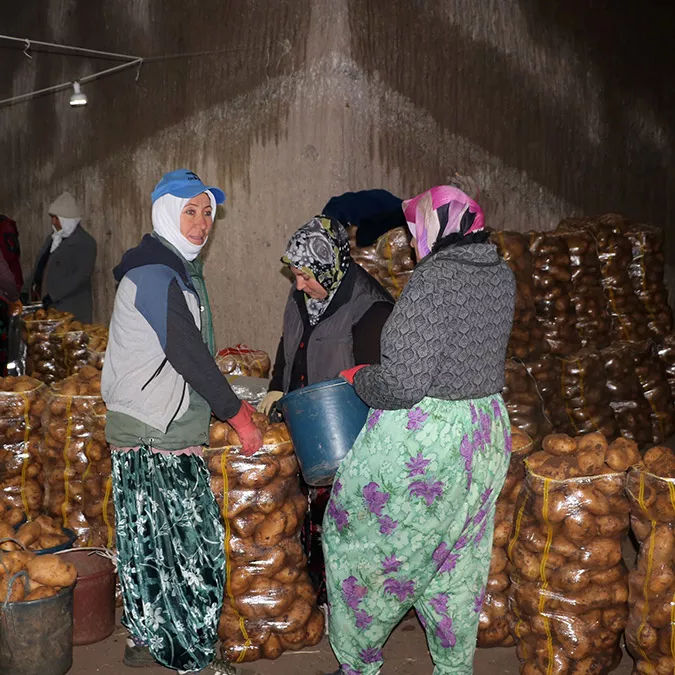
(249, 434)
(348, 374)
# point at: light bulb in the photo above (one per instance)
(78, 97)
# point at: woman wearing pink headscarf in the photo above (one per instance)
(411, 516)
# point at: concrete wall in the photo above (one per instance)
(551, 111)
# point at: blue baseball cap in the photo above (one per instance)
(185, 184)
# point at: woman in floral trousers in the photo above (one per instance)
(411, 517)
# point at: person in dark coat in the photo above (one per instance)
(62, 274)
(333, 319)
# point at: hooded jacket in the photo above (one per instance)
(160, 381)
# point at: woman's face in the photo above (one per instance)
(196, 219)
(309, 285)
(56, 223)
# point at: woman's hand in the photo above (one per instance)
(271, 397)
(249, 435)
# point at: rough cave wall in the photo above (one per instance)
(551, 110)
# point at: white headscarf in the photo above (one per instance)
(68, 226)
(166, 222)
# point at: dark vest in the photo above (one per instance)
(330, 349)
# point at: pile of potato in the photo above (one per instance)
(268, 585)
(587, 295)
(649, 633)
(666, 351)
(631, 410)
(552, 284)
(656, 389)
(98, 342)
(569, 586)
(390, 260)
(40, 350)
(524, 402)
(69, 343)
(495, 616)
(546, 372)
(646, 273)
(242, 360)
(45, 576)
(583, 386)
(72, 439)
(21, 486)
(527, 335)
(35, 535)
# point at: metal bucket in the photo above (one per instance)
(324, 420)
(93, 598)
(36, 637)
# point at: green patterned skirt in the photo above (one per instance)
(171, 559)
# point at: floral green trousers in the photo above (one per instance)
(171, 559)
(410, 524)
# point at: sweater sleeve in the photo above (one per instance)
(277, 381)
(410, 354)
(185, 348)
(367, 331)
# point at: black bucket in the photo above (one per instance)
(36, 637)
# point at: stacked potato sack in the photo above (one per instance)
(546, 371)
(552, 283)
(656, 390)
(46, 575)
(35, 535)
(69, 344)
(667, 355)
(40, 350)
(390, 260)
(270, 603)
(629, 321)
(587, 295)
(649, 633)
(71, 435)
(242, 360)
(646, 273)
(569, 585)
(21, 486)
(97, 344)
(631, 410)
(584, 390)
(495, 617)
(527, 335)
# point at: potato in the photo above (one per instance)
(314, 628)
(622, 454)
(272, 649)
(14, 561)
(41, 593)
(28, 533)
(14, 592)
(295, 618)
(7, 532)
(580, 527)
(559, 444)
(271, 531)
(50, 570)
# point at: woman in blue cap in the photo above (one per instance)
(160, 384)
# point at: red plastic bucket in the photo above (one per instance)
(93, 597)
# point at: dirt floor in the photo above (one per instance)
(405, 654)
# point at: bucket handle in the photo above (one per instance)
(95, 550)
(14, 541)
(10, 584)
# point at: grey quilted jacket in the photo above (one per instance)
(447, 335)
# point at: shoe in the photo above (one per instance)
(137, 657)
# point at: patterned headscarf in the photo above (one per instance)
(320, 248)
(440, 212)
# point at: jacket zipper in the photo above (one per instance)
(179, 405)
(155, 374)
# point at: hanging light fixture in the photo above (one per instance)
(78, 97)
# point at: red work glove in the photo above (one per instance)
(348, 374)
(249, 434)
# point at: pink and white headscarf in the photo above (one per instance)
(439, 212)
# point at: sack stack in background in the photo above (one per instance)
(631, 410)
(656, 390)
(69, 343)
(72, 437)
(649, 633)
(552, 284)
(584, 390)
(527, 335)
(270, 603)
(495, 616)
(546, 371)
(41, 351)
(587, 295)
(21, 479)
(97, 344)
(666, 352)
(569, 586)
(390, 260)
(646, 273)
